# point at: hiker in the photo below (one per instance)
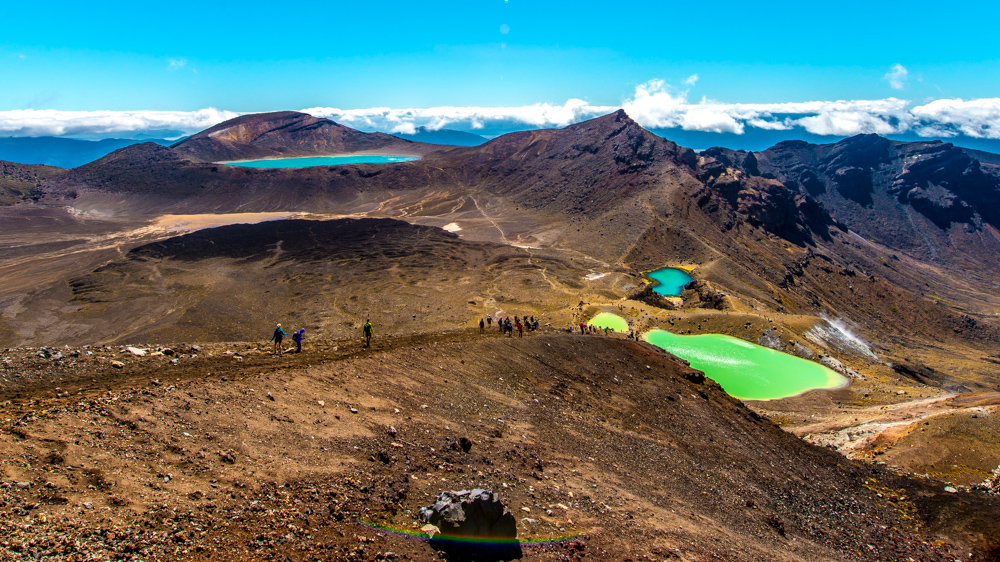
(520, 330)
(297, 337)
(583, 328)
(367, 331)
(489, 321)
(279, 335)
(482, 326)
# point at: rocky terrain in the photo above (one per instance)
(20, 182)
(604, 449)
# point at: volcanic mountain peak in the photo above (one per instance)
(584, 168)
(285, 134)
(248, 128)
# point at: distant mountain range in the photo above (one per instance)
(444, 136)
(62, 152)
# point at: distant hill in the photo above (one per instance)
(61, 152)
(444, 136)
(288, 134)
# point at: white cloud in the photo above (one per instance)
(897, 76)
(975, 118)
(691, 80)
(435, 118)
(22, 56)
(653, 105)
(176, 64)
(51, 122)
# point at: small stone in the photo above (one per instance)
(354, 410)
(270, 397)
(136, 351)
(88, 505)
(22, 485)
(117, 364)
(951, 489)
(321, 403)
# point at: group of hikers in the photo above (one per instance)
(591, 329)
(507, 327)
(297, 337)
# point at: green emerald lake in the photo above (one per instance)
(745, 370)
(609, 320)
(311, 161)
(670, 281)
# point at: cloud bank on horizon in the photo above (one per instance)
(654, 106)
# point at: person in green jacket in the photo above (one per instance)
(367, 331)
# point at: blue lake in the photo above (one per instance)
(310, 161)
(670, 281)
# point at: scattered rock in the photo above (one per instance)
(771, 339)
(951, 489)
(465, 443)
(839, 367)
(136, 351)
(473, 514)
(117, 364)
(696, 377)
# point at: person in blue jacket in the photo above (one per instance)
(297, 337)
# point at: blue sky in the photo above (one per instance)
(255, 56)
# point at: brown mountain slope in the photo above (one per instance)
(234, 282)
(150, 179)
(229, 453)
(286, 134)
(20, 182)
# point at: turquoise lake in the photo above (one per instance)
(311, 161)
(670, 280)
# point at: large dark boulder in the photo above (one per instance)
(474, 525)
